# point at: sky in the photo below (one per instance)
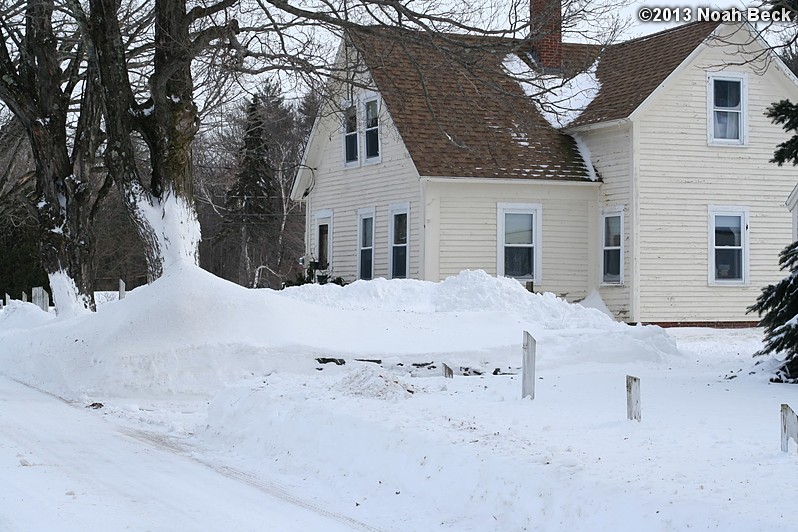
(639, 28)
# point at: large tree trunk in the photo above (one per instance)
(33, 91)
(171, 131)
(163, 213)
(66, 239)
(176, 120)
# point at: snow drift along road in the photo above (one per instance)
(191, 332)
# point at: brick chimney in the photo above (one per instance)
(545, 28)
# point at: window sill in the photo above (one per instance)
(372, 160)
(522, 279)
(612, 285)
(726, 144)
(728, 283)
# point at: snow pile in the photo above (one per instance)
(68, 302)
(396, 295)
(370, 381)
(470, 291)
(175, 226)
(469, 454)
(191, 333)
(373, 443)
(593, 300)
(560, 100)
(489, 313)
(22, 315)
(376, 456)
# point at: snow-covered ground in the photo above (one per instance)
(227, 379)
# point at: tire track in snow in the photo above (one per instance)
(166, 444)
(40, 390)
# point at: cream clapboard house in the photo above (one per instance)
(672, 212)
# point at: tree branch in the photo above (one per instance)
(202, 11)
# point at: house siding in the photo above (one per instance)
(462, 229)
(343, 190)
(680, 176)
(610, 150)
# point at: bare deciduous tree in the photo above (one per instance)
(54, 52)
(42, 71)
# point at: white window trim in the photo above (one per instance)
(536, 209)
(742, 77)
(367, 212)
(794, 224)
(611, 211)
(317, 217)
(741, 211)
(364, 99)
(346, 104)
(360, 118)
(398, 208)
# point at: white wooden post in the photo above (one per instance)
(528, 367)
(447, 372)
(789, 426)
(8, 299)
(121, 289)
(25, 297)
(633, 398)
(41, 298)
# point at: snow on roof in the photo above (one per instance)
(465, 118)
(560, 100)
(584, 151)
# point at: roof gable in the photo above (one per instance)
(458, 112)
(461, 115)
(630, 71)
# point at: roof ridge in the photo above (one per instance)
(665, 32)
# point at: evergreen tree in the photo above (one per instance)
(779, 302)
(255, 204)
(247, 200)
(789, 54)
(308, 110)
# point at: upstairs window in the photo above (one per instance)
(727, 109)
(350, 135)
(612, 247)
(372, 129)
(361, 129)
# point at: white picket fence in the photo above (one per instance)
(789, 426)
(41, 298)
(633, 398)
(529, 347)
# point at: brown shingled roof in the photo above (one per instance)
(458, 112)
(460, 115)
(632, 70)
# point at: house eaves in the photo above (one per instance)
(508, 181)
